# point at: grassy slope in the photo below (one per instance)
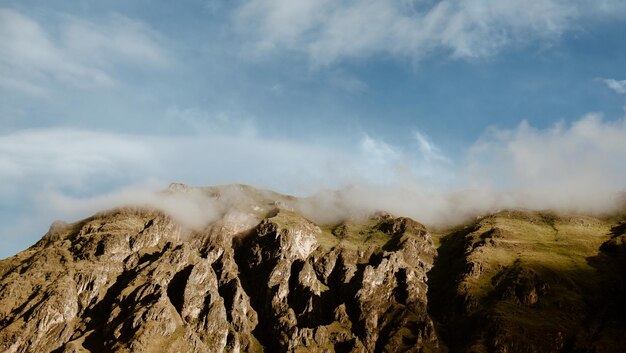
(488, 273)
(349, 234)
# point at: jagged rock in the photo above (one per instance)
(122, 281)
(361, 293)
(264, 278)
(135, 280)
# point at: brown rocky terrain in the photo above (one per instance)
(261, 277)
(134, 280)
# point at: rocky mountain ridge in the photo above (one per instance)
(264, 278)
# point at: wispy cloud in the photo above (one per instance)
(71, 160)
(378, 151)
(68, 159)
(72, 173)
(330, 31)
(579, 165)
(76, 52)
(617, 86)
(427, 148)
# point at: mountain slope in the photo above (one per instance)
(261, 277)
(530, 282)
(133, 280)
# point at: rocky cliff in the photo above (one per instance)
(133, 280)
(261, 277)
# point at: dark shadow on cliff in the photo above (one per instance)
(609, 317)
(444, 306)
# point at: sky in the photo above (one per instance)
(447, 104)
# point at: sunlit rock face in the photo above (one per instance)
(259, 278)
(262, 277)
(126, 280)
(355, 290)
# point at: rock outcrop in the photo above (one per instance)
(134, 280)
(127, 280)
(361, 295)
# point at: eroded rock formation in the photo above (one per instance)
(261, 277)
(134, 280)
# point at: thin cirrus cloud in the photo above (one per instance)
(428, 149)
(71, 159)
(330, 31)
(67, 159)
(80, 54)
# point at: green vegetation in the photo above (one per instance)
(353, 235)
(528, 277)
(290, 219)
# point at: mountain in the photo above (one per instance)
(262, 277)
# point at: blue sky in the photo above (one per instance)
(98, 98)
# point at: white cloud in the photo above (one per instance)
(192, 208)
(329, 31)
(57, 173)
(121, 39)
(77, 52)
(379, 152)
(617, 86)
(76, 160)
(428, 149)
(574, 168)
(579, 167)
(59, 158)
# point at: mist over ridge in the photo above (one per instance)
(576, 167)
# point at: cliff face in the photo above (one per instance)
(123, 281)
(133, 280)
(263, 278)
(361, 289)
